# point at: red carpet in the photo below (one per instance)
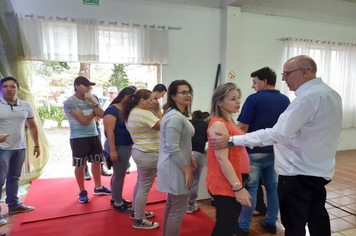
(109, 223)
(54, 198)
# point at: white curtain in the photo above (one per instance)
(136, 45)
(88, 40)
(336, 64)
(49, 39)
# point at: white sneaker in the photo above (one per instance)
(191, 209)
(2, 221)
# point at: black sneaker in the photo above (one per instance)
(126, 202)
(270, 228)
(145, 224)
(147, 215)
(123, 208)
(240, 232)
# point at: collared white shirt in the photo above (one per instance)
(12, 122)
(306, 135)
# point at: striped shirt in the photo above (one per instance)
(139, 124)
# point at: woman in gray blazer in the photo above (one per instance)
(175, 162)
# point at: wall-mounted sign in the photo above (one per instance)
(231, 75)
(91, 2)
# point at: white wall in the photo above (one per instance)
(260, 47)
(194, 50)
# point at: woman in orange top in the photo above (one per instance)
(224, 179)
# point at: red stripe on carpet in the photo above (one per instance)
(110, 223)
(54, 198)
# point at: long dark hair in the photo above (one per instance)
(133, 101)
(122, 94)
(197, 116)
(172, 90)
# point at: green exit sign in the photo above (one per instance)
(91, 2)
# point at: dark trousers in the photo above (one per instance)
(227, 213)
(302, 200)
(260, 204)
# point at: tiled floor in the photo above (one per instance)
(341, 201)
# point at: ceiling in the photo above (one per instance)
(330, 11)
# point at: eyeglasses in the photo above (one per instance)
(288, 73)
(185, 93)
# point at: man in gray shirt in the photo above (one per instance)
(81, 110)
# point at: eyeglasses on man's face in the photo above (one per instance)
(186, 93)
(286, 74)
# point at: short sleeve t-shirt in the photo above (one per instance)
(261, 110)
(12, 122)
(122, 135)
(139, 124)
(78, 130)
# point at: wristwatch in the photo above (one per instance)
(230, 143)
(97, 105)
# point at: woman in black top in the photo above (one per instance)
(198, 144)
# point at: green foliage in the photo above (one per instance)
(47, 68)
(54, 113)
(119, 77)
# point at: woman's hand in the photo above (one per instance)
(114, 157)
(243, 197)
(189, 179)
(188, 176)
(193, 163)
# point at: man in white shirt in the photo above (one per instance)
(14, 114)
(305, 140)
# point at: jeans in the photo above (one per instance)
(146, 173)
(261, 164)
(11, 162)
(199, 158)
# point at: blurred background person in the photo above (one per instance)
(112, 92)
(198, 145)
(159, 90)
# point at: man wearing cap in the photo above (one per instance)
(14, 114)
(112, 91)
(81, 110)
